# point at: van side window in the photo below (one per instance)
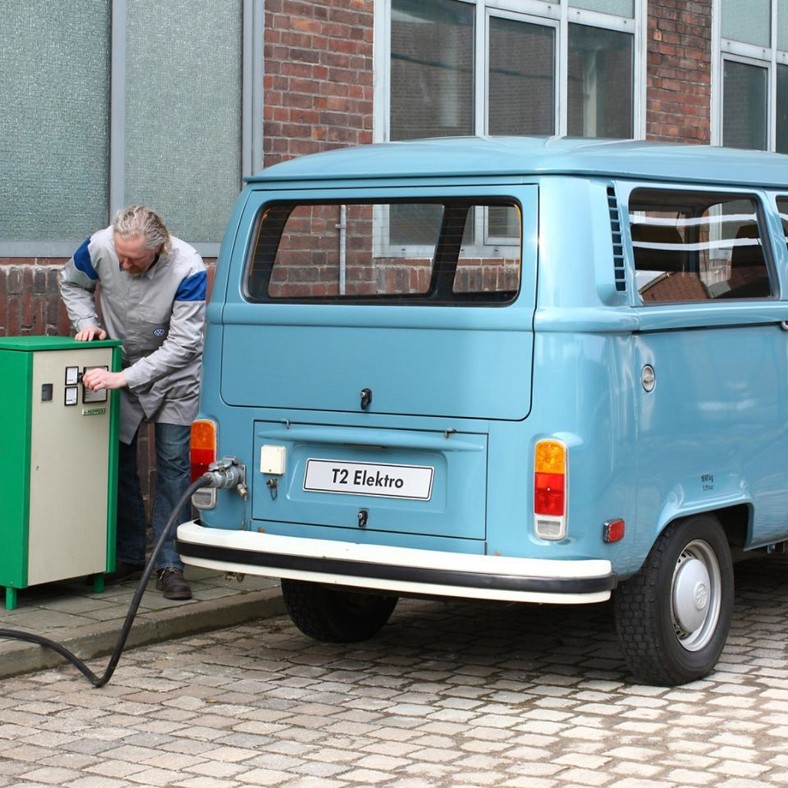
(430, 252)
(697, 246)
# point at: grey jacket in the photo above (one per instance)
(158, 317)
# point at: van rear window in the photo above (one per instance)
(696, 246)
(430, 252)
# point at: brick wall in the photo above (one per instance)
(678, 95)
(318, 76)
(29, 298)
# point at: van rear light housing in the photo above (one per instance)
(202, 453)
(550, 486)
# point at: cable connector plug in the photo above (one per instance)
(226, 473)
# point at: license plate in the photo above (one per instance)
(369, 478)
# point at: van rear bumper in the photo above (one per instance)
(397, 570)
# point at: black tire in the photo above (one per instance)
(673, 616)
(335, 615)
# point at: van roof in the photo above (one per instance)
(519, 156)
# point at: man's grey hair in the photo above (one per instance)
(139, 220)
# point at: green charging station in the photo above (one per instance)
(59, 481)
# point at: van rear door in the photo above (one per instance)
(427, 304)
(384, 334)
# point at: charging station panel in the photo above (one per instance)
(58, 487)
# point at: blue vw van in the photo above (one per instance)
(530, 370)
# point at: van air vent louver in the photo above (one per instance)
(618, 244)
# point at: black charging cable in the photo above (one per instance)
(206, 480)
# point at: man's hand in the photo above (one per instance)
(97, 379)
(90, 333)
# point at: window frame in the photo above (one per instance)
(765, 57)
(435, 295)
(549, 21)
(559, 14)
(251, 125)
(769, 97)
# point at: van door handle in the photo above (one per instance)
(784, 325)
(366, 398)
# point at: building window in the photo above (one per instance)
(103, 104)
(754, 93)
(458, 67)
(745, 87)
(54, 120)
(521, 77)
(432, 69)
(782, 109)
(600, 82)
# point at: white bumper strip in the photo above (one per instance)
(486, 567)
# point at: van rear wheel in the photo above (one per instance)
(673, 616)
(335, 615)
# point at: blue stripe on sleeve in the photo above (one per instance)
(192, 288)
(83, 262)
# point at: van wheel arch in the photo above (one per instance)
(673, 615)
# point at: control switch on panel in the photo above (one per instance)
(89, 396)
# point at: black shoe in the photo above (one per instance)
(123, 572)
(173, 584)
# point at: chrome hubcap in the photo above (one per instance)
(696, 595)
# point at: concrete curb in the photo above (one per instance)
(98, 640)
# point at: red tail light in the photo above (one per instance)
(550, 467)
(549, 494)
(550, 478)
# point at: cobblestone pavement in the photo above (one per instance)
(460, 694)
